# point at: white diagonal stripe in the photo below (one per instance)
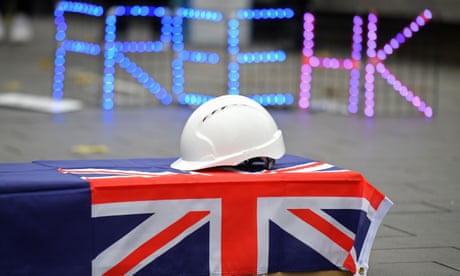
(165, 213)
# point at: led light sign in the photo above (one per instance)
(238, 58)
(65, 45)
(374, 63)
(183, 55)
(311, 61)
(114, 52)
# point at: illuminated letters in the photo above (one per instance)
(114, 53)
(66, 45)
(238, 58)
(376, 60)
(311, 61)
(172, 36)
(374, 63)
(184, 55)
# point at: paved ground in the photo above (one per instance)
(412, 160)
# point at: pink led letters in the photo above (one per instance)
(311, 61)
(355, 64)
(374, 63)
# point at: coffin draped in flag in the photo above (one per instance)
(303, 215)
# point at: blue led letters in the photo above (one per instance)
(172, 38)
(114, 52)
(171, 34)
(65, 45)
(183, 55)
(238, 58)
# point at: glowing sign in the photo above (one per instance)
(66, 45)
(374, 63)
(376, 60)
(172, 36)
(184, 55)
(237, 58)
(311, 61)
(114, 52)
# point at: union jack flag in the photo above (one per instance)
(303, 215)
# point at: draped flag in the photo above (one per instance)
(148, 219)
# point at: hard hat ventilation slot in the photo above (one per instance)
(219, 109)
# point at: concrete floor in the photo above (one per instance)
(411, 159)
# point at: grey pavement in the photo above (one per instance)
(413, 160)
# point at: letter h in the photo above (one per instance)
(310, 61)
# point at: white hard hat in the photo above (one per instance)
(227, 131)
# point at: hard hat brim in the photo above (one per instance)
(277, 151)
(184, 165)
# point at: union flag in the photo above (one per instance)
(304, 215)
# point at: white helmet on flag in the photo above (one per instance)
(227, 131)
